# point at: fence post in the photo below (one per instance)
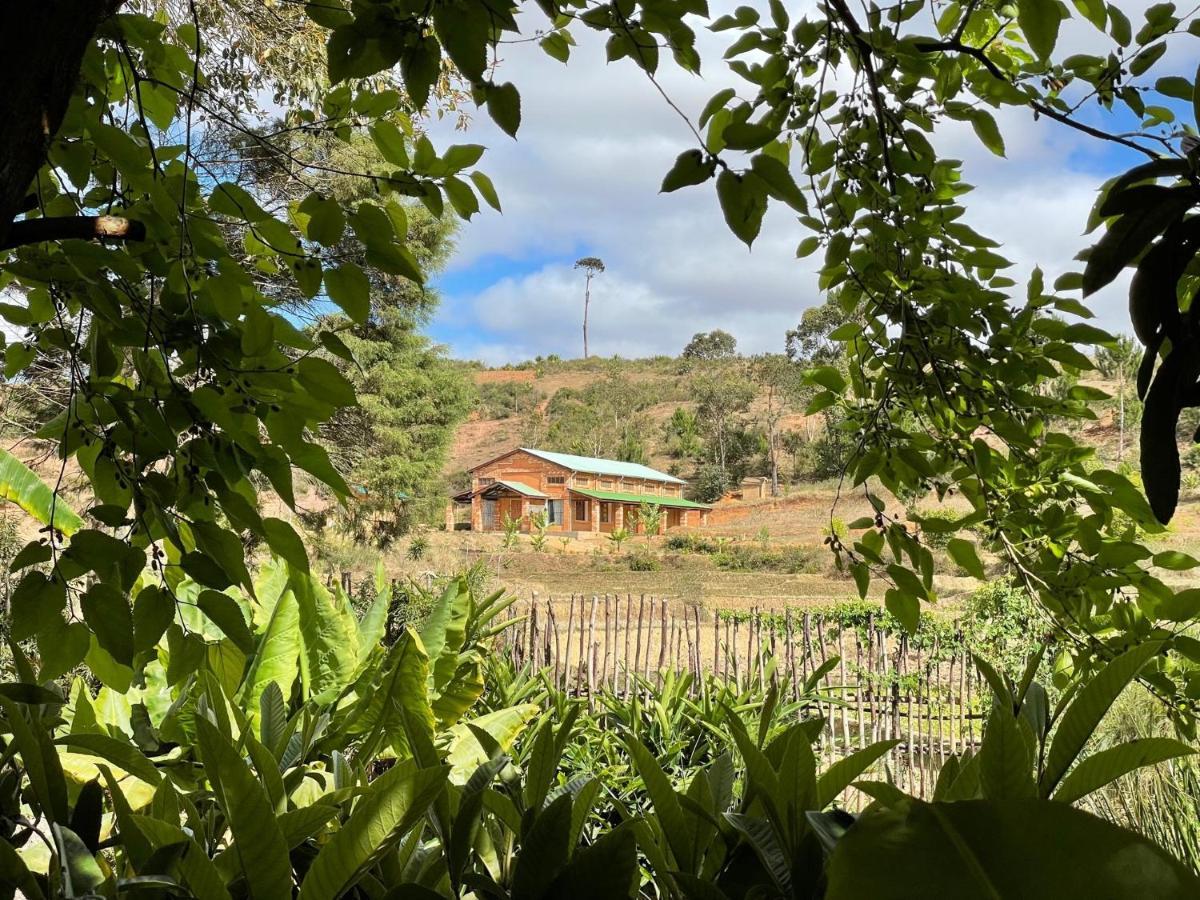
(591, 638)
(662, 645)
(607, 641)
(858, 690)
(637, 653)
(625, 651)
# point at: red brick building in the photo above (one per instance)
(577, 493)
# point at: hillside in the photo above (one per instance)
(530, 387)
(484, 434)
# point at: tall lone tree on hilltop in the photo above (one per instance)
(592, 266)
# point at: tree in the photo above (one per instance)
(710, 484)
(168, 285)
(592, 266)
(1120, 362)
(810, 341)
(722, 401)
(605, 418)
(779, 382)
(711, 345)
(394, 442)
(682, 433)
(649, 517)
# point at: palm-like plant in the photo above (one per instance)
(618, 536)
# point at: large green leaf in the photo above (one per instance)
(394, 803)
(329, 637)
(1108, 765)
(261, 850)
(15, 875)
(81, 875)
(1040, 20)
(198, 871)
(545, 849)
(666, 803)
(401, 686)
(605, 870)
(762, 837)
(1077, 724)
(1006, 758)
(999, 849)
(837, 777)
(40, 759)
(21, 485)
(452, 699)
(466, 753)
(120, 753)
(445, 630)
(277, 659)
(373, 625)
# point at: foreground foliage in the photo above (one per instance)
(279, 745)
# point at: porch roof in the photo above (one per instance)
(621, 497)
(518, 487)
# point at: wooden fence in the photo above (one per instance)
(869, 684)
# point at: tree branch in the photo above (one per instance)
(1038, 107)
(61, 228)
(865, 57)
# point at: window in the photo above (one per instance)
(581, 510)
(554, 511)
(606, 482)
(556, 479)
(483, 481)
(583, 480)
(604, 511)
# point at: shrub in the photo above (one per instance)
(418, 547)
(936, 526)
(505, 399)
(512, 528)
(786, 560)
(710, 484)
(642, 562)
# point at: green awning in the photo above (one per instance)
(619, 497)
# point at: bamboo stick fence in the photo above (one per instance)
(869, 684)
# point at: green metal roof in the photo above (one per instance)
(597, 466)
(621, 497)
(523, 489)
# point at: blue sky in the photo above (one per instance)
(582, 179)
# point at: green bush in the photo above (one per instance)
(937, 526)
(787, 560)
(642, 562)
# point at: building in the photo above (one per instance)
(750, 488)
(579, 494)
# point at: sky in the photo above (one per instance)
(582, 179)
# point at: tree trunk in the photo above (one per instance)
(587, 299)
(42, 43)
(772, 423)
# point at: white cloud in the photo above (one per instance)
(583, 179)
